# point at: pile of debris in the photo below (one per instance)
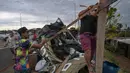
(55, 51)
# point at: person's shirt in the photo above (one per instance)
(22, 52)
(89, 24)
(34, 36)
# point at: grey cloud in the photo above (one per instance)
(49, 10)
(123, 8)
(40, 6)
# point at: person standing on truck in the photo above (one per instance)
(88, 32)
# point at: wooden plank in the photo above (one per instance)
(100, 36)
(62, 65)
(76, 65)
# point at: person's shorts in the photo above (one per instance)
(88, 41)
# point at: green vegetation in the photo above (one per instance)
(110, 57)
(109, 47)
(113, 27)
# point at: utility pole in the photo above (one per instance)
(101, 36)
(75, 12)
(47, 20)
(20, 20)
(125, 30)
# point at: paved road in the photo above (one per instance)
(5, 56)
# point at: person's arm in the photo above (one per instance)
(38, 46)
(86, 10)
(82, 12)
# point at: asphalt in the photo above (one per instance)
(5, 56)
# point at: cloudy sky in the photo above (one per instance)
(37, 13)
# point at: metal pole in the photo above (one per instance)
(72, 36)
(47, 20)
(20, 20)
(125, 30)
(75, 11)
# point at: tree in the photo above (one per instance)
(127, 28)
(119, 26)
(125, 32)
(113, 27)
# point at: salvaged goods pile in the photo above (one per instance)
(55, 51)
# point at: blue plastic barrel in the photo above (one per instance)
(110, 67)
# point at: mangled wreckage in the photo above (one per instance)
(54, 52)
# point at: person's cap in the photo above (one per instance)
(22, 30)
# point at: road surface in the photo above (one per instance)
(5, 56)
